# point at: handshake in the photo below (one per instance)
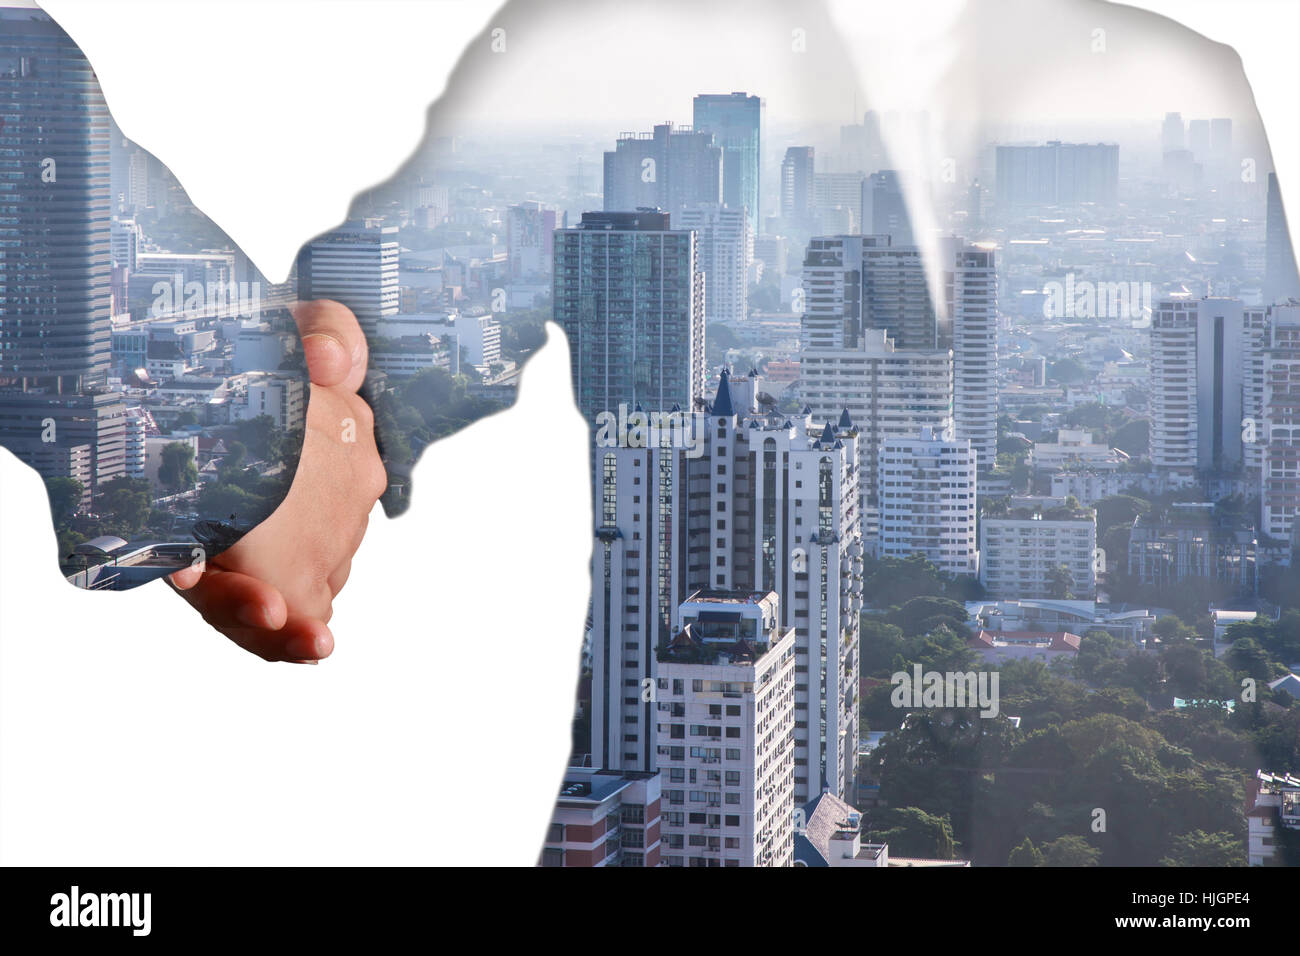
(272, 592)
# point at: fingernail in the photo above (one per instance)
(304, 662)
(302, 649)
(252, 615)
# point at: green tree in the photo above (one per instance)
(1070, 850)
(1066, 371)
(65, 498)
(177, 471)
(1026, 854)
(1060, 583)
(1133, 437)
(911, 831)
(1199, 848)
(126, 502)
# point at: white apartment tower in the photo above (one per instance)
(357, 265)
(887, 392)
(971, 295)
(725, 247)
(751, 502)
(1206, 384)
(1020, 555)
(725, 719)
(927, 501)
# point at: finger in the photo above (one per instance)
(332, 343)
(228, 599)
(302, 639)
(186, 577)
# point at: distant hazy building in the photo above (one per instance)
(838, 195)
(668, 169)
(1281, 280)
(1198, 138)
(797, 182)
(725, 720)
(884, 208)
(357, 265)
(530, 237)
(725, 247)
(1172, 132)
(927, 501)
(629, 294)
(736, 122)
(1057, 174)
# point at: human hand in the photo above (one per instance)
(272, 592)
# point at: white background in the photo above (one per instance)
(129, 733)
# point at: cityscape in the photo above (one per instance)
(950, 543)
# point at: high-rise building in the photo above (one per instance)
(725, 716)
(927, 501)
(887, 392)
(1205, 371)
(854, 283)
(668, 169)
(56, 267)
(1172, 133)
(357, 265)
(970, 285)
(726, 247)
(754, 503)
(530, 240)
(884, 209)
(54, 191)
(126, 243)
(736, 122)
(839, 195)
(797, 181)
(1281, 279)
(629, 294)
(1280, 429)
(1198, 138)
(1057, 174)
(1221, 142)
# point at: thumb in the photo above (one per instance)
(332, 343)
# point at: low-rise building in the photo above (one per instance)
(998, 647)
(1272, 804)
(604, 818)
(1039, 555)
(1189, 542)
